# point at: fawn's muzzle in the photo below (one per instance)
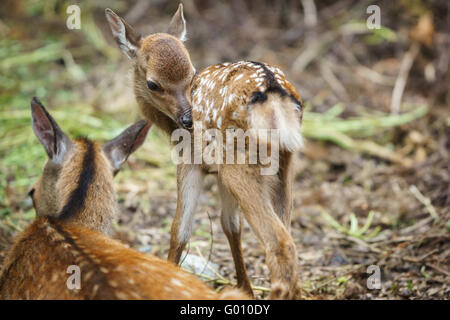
(186, 120)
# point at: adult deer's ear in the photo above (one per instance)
(118, 149)
(125, 36)
(177, 26)
(52, 138)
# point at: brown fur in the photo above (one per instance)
(36, 268)
(54, 187)
(165, 62)
(168, 61)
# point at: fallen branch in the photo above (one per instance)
(416, 226)
(400, 83)
(425, 201)
(439, 269)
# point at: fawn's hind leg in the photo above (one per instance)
(232, 226)
(252, 192)
(282, 189)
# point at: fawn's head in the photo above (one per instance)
(163, 70)
(76, 182)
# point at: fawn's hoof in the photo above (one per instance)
(281, 291)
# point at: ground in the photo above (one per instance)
(371, 187)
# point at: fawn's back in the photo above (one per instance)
(248, 95)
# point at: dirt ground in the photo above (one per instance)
(405, 202)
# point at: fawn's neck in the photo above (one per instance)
(86, 191)
(156, 117)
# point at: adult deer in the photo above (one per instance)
(247, 96)
(75, 204)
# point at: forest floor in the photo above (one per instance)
(377, 195)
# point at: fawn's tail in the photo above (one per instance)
(279, 112)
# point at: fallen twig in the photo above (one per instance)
(327, 73)
(439, 269)
(425, 201)
(416, 226)
(326, 282)
(415, 259)
(400, 83)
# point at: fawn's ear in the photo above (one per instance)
(55, 142)
(127, 39)
(177, 26)
(118, 149)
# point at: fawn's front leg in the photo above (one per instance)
(189, 186)
(232, 227)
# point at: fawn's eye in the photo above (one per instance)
(152, 86)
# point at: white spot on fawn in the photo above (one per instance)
(176, 282)
(104, 270)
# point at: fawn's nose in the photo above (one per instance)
(186, 121)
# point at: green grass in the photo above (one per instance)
(353, 230)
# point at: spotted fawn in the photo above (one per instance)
(238, 96)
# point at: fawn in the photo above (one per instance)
(243, 95)
(75, 205)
